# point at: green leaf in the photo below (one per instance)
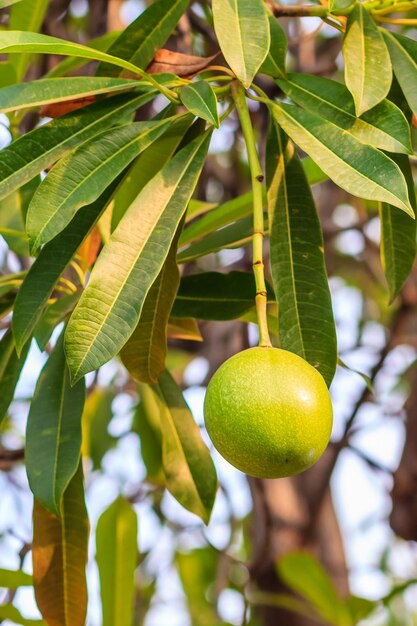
(188, 467)
(53, 432)
(15, 41)
(97, 414)
(235, 235)
(12, 227)
(306, 324)
(7, 3)
(10, 368)
(215, 296)
(197, 570)
(47, 90)
(55, 313)
(26, 16)
(146, 166)
(117, 559)
(307, 577)
(31, 153)
(200, 99)
(82, 176)
(59, 553)
(368, 70)
(147, 424)
(398, 235)
(403, 51)
(275, 61)
(384, 126)
(44, 274)
(65, 66)
(242, 29)
(10, 612)
(145, 352)
(360, 170)
(12, 579)
(340, 7)
(100, 326)
(139, 42)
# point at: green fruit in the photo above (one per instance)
(268, 412)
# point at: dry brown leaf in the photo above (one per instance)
(60, 108)
(184, 65)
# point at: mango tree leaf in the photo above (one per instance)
(306, 324)
(12, 227)
(398, 235)
(340, 7)
(197, 570)
(12, 579)
(117, 559)
(242, 29)
(53, 432)
(17, 41)
(54, 314)
(200, 99)
(235, 235)
(26, 16)
(147, 424)
(110, 307)
(44, 274)
(216, 296)
(275, 60)
(146, 166)
(7, 3)
(384, 126)
(360, 170)
(307, 577)
(47, 90)
(82, 176)
(145, 352)
(59, 553)
(368, 69)
(10, 367)
(360, 608)
(139, 42)
(65, 66)
(97, 414)
(188, 467)
(183, 328)
(403, 51)
(10, 612)
(31, 153)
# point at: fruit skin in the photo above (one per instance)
(268, 412)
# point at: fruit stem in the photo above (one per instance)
(257, 177)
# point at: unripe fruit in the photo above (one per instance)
(268, 412)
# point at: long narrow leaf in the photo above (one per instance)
(53, 433)
(139, 42)
(403, 51)
(117, 555)
(242, 29)
(47, 90)
(144, 353)
(59, 553)
(31, 153)
(306, 321)
(110, 307)
(361, 170)
(81, 177)
(188, 467)
(48, 267)
(10, 367)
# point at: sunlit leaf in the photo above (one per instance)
(12, 579)
(59, 553)
(144, 353)
(117, 555)
(27, 16)
(110, 307)
(183, 328)
(242, 29)
(361, 170)
(403, 51)
(200, 99)
(368, 70)
(80, 177)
